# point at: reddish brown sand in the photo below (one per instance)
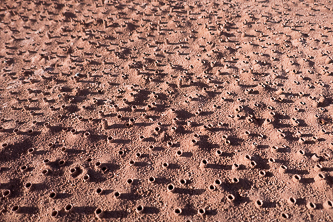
(166, 110)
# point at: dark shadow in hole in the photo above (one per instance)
(141, 164)
(301, 201)
(28, 210)
(189, 191)
(206, 113)
(162, 180)
(296, 171)
(106, 192)
(269, 204)
(279, 161)
(160, 108)
(235, 141)
(34, 133)
(269, 174)
(309, 142)
(205, 145)
(263, 146)
(240, 199)
(39, 152)
(130, 196)
(189, 211)
(56, 129)
(261, 163)
(121, 141)
(69, 15)
(84, 210)
(158, 148)
(173, 166)
(151, 210)
(241, 167)
(307, 180)
(211, 212)
(110, 166)
(96, 177)
(280, 125)
(302, 123)
(143, 124)
(319, 206)
(58, 166)
(76, 173)
(115, 214)
(63, 195)
(14, 151)
(244, 184)
(117, 126)
(187, 154)
(74, 151)
(182, 114)
(176, 145)
(3, 169)
(8, 130)
(327, 168)
(149, 139)
(15, 187)
(145, 155)
(284, 150)
(39, 186)
(226, 154)
(134, 182)
(94, 137)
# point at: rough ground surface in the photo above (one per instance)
(166, 110)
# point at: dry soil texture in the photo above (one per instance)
(166, 110)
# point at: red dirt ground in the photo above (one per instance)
(166, 110)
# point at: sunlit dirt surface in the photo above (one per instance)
(166, 110)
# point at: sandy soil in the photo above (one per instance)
(166, 110)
